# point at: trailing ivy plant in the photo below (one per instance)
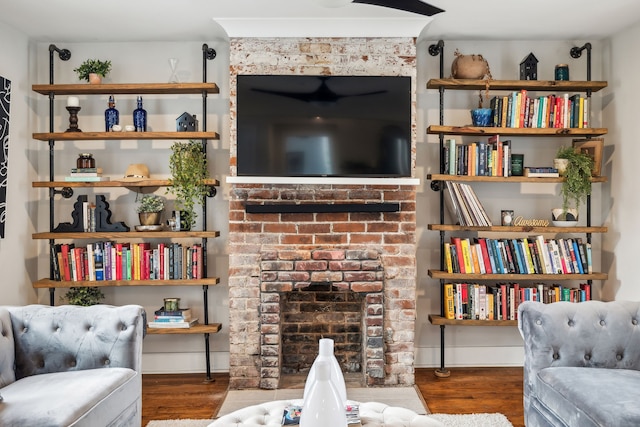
(188, 166)
(577, 184)
(84, 296)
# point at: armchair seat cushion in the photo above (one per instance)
(583, 396)
(75, 398)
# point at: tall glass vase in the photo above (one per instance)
(326, 354)
(323, 406)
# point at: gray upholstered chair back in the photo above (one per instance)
(588, 334)
(67, 338)
(7, 350)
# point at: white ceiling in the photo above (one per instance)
(188, 20)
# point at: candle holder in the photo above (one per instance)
(73, 119)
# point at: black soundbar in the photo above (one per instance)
(321, 208)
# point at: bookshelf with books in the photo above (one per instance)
(116, 257)
(507, 264)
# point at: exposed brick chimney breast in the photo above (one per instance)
(297, 277)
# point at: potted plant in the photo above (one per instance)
(188, 166)
(150, 209)
(577, 182)
(84, 296)
(93, 70)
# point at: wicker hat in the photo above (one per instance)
(136, 172)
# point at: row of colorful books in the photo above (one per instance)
(528, 255)
(519, 110)
(500, 302)
(464, 206)
(479, 158)
(108, 260)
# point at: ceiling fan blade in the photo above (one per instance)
(414, 6)
(322, 95)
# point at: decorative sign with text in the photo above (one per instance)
(522, 222)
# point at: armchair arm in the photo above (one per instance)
(587, 334)
(67, 338)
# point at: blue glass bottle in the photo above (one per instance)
(111, 115)
(140, 117)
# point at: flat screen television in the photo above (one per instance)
(323, 126)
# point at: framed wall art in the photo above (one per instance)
(593, 147)
(5, 98)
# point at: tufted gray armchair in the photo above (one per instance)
(582, 363)
(71, 365)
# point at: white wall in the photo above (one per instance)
(18, 256)
(622, 202)
(22, 260)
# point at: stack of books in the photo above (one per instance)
(291, 416)
(181, 318)
(541, 172)
(86, 175)
(464, 206)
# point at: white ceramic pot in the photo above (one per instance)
(561, 165)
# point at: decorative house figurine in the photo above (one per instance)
(529, 68)
(186, 123)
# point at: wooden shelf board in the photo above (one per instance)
(511, 85)
(439, 274)
(48, 283)
(115, 183)
(504, 131)
(497, 179)
(95, 136)
(514, 229)
(128, 235)
(439, 320)
(126, 88)
(211, 328)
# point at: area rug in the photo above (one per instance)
(472, 420)
(406, 397)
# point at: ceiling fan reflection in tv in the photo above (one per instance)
(413, 6)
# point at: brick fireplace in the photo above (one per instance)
(292, 275)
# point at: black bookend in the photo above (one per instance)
(65, 227)
(103, 217)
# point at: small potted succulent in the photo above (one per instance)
(93, 70)
(150, 209)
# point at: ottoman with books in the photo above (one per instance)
(372, 414)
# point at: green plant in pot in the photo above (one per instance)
(577, 182)
(188, 166)
(84, 296)
(95, 67)
(150, 209)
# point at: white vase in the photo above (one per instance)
(323, 406)
(326, 354)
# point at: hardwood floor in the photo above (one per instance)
(466, 391)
